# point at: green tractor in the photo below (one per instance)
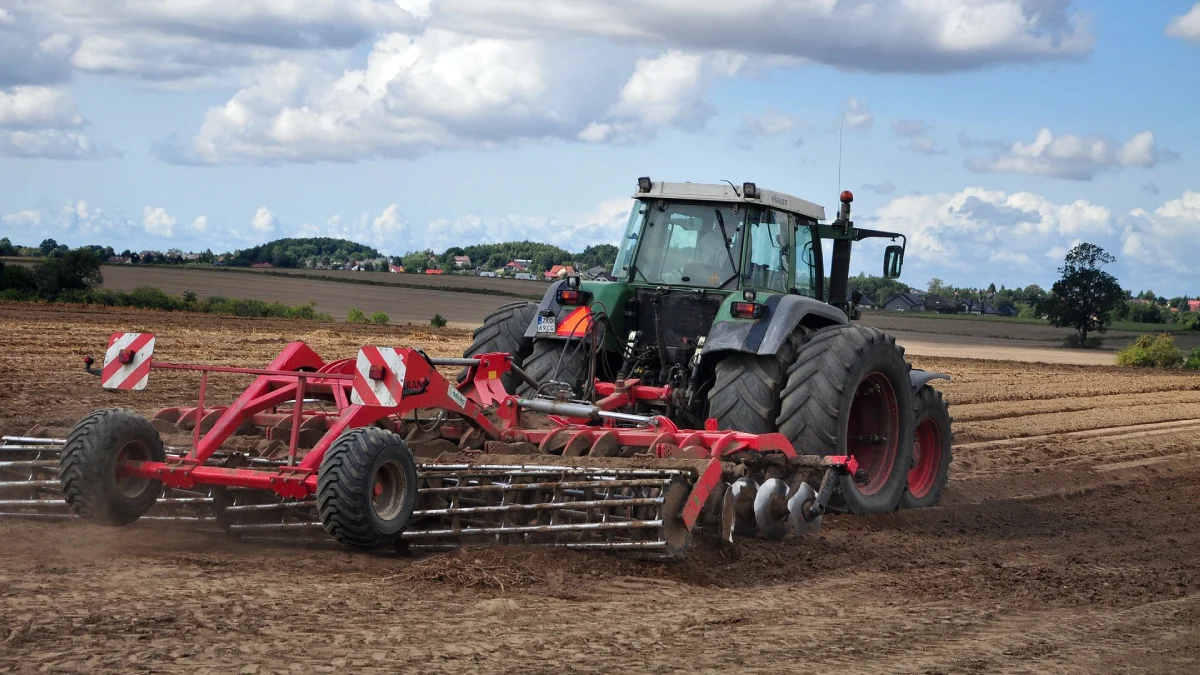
(721, 300)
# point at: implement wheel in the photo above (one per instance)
(931, 451)
(367, 488)
(504, 331)
(89, 461)
(848, 393)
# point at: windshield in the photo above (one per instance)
(686, 244)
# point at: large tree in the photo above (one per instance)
(1086, 296)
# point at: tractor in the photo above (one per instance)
(712, 384)
(721, 296)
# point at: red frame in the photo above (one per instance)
(298, 371)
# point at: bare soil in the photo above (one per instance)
(402, 305)
(1066, 542)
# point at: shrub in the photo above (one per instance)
(438, 321)
(1151, 352)
(355, 315)
(379, 319)
(189, 297)
(1193, 360)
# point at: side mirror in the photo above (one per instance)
(893, 260)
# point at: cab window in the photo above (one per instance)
(768, 251)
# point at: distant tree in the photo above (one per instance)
(937, 286)
(415, 262)
(1086, 296)
(991, 289)
(47, 246)
(6, 247)
(77, 270)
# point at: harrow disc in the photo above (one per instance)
(770, 509)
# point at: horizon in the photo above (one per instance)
(978, 131)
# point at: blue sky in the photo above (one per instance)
(994, 133)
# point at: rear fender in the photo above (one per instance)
(920, 378)
(785, 313)
(606, 297)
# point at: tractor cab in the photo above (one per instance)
(715, 238)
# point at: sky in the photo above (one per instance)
(995, 134)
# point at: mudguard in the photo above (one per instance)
(920, 378)
(550, 304)
(766, 335)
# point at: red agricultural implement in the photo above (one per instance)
(383, 449)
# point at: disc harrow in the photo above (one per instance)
(493, 468)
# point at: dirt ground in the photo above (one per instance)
(1066, 541)
(402, 305)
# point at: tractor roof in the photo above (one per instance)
(725, 193)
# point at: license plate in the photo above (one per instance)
(546, 324)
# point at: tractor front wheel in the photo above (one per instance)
(848, 393)
(504, 331)
(561, 361)
(367, 488)
(89, 467)
(746, 389)
(931, 452)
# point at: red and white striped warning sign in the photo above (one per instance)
(127, 361)
(378, 377)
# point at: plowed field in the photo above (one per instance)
(1068, 540)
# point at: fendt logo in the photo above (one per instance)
(779, 201)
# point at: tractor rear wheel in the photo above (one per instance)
(746, 389)
(88, 473)
(504, 331)
(558, 361)
(367, 488)
(848, 393)
(931, 451)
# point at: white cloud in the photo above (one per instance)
(956, 232)
(200, 224)
(34, 107)
(1073, 157)
(917, 134)
(40, 122)
(855, 115)
(50, 144)
(767, 125)
(886, 187)
(1186, 26)
(264, 222)
(158, 222)
(1165, 240)
(876, 36)
(666, 91)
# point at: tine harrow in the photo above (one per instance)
(314, 448)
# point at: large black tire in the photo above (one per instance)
(88, 466)
(931, 451)
(746, 390)
(367, 488)
(504, 331)
(557, 360)
(848, 393)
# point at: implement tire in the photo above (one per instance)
(504, 331)
(848, 393)
(931, 451)
(88, 467)
(746, 390)
(367, 488)
(558, 360)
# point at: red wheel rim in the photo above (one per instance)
(873, 432)
(927, 458)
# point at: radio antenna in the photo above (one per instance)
(840, 125)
